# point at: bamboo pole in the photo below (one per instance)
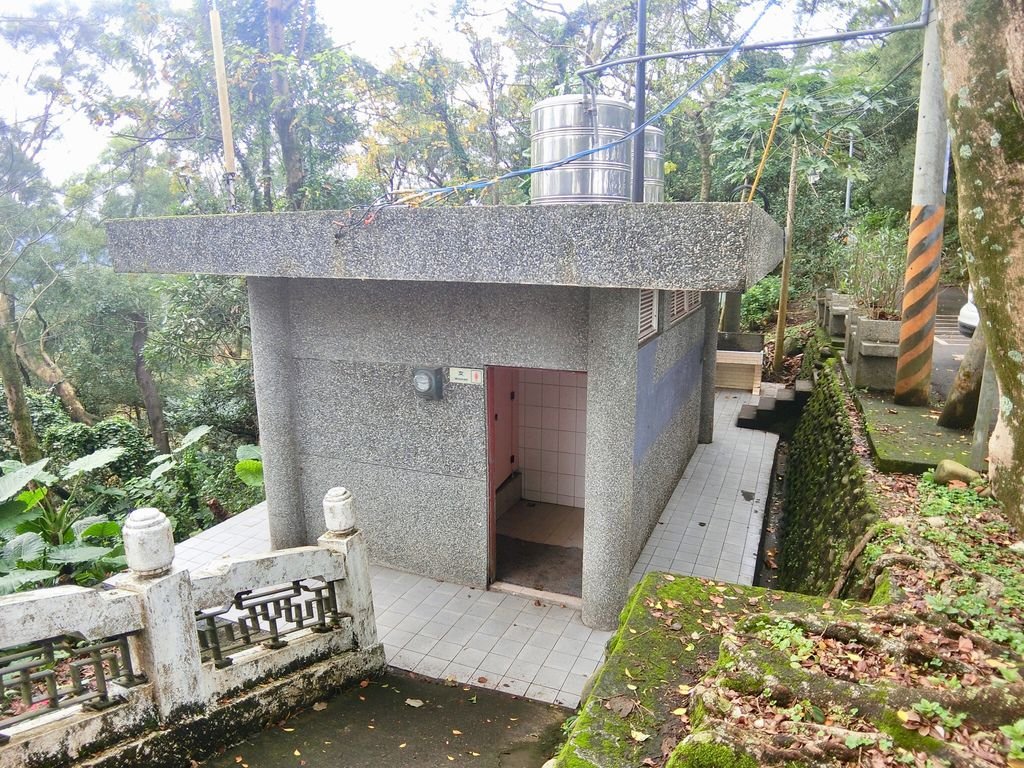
(780, 325)
(768, 145)
(224, 105)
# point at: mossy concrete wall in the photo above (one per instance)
(827, 507)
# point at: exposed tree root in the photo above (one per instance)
(850, 560)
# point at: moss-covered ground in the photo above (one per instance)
(919, 664)
(906, 438)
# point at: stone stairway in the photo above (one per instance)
(778, 410)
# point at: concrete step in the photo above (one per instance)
(748, 417)
(803, 389)
(776, 412)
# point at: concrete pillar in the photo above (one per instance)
(269, 313)
(611, 427)
(168, 647)
(355, 596)
(732, 315)
(706, 427)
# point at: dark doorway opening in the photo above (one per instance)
(537, 447)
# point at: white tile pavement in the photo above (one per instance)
(711, 527)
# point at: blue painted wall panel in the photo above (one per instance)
(657, 401)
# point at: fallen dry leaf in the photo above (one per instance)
(414, 703)
(320, 706)
(621, 705)
(639, 736)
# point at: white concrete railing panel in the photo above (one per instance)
(179, 652)
(218, 582)
(66, 610)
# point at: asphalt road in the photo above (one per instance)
(950, 346)
(947, 353)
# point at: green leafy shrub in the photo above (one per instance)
(224, 397)
(760, 303)
(1015, 735)
(194, 485)
(48, 526)
(869, 261)
(249, 468)
(45, 410)
(63, 442)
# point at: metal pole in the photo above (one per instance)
(686, 53)
(924, 246)
(849, 180)
(640, 103)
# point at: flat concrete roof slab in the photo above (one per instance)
(674, 246)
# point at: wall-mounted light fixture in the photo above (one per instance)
(428, 383)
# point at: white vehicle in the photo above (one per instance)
(967, 320)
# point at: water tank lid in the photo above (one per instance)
(576, 98)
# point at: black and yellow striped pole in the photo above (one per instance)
(924, 245)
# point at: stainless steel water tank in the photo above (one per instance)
(564, 125)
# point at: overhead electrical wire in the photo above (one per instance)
(820, 136)
(432, 195)
(419, 197)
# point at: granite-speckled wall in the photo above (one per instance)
(418, 468)
(334, 361)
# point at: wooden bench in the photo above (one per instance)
(739, 370)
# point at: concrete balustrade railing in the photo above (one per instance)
(171, 647)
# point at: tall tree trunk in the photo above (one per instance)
(17, 405)
(46, 370)
(283, 107)
(52, 375)
(147, 384)
(983, 79)
(962, 404)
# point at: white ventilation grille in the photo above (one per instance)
(648, 314)
(681, 304)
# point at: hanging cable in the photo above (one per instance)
(419, 197)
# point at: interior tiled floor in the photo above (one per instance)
(711, 527)
(543, 523)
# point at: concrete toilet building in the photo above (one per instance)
(490, 382)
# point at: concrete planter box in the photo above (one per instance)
(876, 349)
(838, 306)
(852, 318)
(821, 300)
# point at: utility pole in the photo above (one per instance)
(640, 104)
(924, 246)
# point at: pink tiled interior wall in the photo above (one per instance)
(552, 435)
